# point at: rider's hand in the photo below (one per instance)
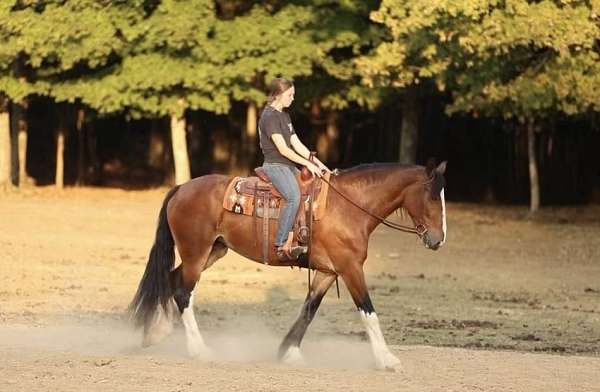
(314, 169)
(323, 167)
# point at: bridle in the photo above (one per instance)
(420, 229)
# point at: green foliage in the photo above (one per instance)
(512, 58)
(57, 41)
(344, 32)
(260, 45)
(119, 56)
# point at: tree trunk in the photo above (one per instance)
(81, 146)
(322, 146)
(410, 128)
(327, 148)
(333, 134)
(534, 203)
(14, 145)
(64, 115)
(250, 135)
(247, 146)
(349, 145)
(158, 152)
(59, 181)
(22, 151)
(156, 147)
(180, 153)
(93, 170)
(19, 144)
(20, 123)
(4, 144)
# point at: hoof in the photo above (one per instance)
(389, 362)
(293, 356)
(199, 350)
(161, 327)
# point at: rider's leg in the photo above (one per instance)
(282, 177)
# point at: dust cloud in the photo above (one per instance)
(243, 339)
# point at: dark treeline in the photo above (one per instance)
(487, 157)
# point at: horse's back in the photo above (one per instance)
(198, 199)
(203, 188)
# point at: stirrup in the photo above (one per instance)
(290, 254)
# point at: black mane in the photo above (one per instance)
(374, 167)
(438, 182)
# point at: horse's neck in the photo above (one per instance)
(381, 190)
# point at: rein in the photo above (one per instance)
(419, 230)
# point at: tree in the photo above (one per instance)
(520, 60)
(312, 42)
(255, 45)
(4, 143)
(12, 63)
(48, 44)
(165, 71)
(340, 31)
(400, 61)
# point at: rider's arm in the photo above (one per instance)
(304, 152)
(299, 146)
(287, 152)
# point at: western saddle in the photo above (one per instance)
(257, 197)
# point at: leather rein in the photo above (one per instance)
(419, 229)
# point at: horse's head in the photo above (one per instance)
(425, 204)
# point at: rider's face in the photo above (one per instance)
(287, 97)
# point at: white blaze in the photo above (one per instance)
(443, 216)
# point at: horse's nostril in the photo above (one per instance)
(430, 243)
(427, 241)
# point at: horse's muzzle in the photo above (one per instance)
(430, 243)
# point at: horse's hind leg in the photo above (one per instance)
(161, 324)
(219, 249)
(289, 351)
(184, 279)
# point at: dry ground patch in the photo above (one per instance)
(509, 303)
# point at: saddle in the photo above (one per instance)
(257, 197)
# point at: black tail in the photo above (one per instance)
(155, 286)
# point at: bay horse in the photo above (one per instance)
(193, 220)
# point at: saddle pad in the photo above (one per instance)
(239, 198)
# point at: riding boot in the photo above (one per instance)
(288, 251)
(302, 227)
(290, 254)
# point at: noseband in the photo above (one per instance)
(420, 229)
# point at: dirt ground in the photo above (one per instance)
(508, 304)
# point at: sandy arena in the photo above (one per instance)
(508, 304)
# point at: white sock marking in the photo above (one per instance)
(383, 357)
(195, 343)
(293, 356)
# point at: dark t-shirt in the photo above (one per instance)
(271, 122)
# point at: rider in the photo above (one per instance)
(282, 150)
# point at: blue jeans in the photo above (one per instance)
(283, 178)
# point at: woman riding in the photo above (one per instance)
(283, 150)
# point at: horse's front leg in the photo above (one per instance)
(356, 284)
(289, 351)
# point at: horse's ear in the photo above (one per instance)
(441, 167)
(430, 166)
